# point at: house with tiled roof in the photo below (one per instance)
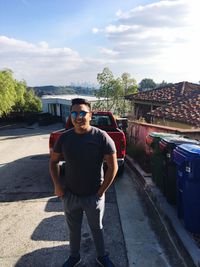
(174, 105)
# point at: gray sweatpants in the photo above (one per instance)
(94, 207)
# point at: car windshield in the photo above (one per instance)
(100, 120)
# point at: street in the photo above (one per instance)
(33, 230)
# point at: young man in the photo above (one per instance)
(84, 149)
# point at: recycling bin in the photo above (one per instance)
(167, 145)
(187, 158)
(156, 156)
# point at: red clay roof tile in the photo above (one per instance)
(182, 102)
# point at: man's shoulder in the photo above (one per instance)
(67, 133)
(103, 135)
(98, 131)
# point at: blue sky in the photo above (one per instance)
(60, 42)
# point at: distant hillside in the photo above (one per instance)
(62, 90)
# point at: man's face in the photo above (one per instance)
(81, 117)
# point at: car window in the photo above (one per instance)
(100, 120)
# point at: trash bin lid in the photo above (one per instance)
(186, 152)
(161, 134)
(190, 149)
(178, 141)
(155, 137)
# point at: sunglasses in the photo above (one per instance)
(82, 114)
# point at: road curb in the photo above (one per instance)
(184, 243)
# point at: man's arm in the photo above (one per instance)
(54, 171)
(110, 174)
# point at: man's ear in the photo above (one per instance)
(90, 115)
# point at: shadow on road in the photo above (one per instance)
(20, 130)
(52, 205)
(48, 229)
(44, 257)
(26, 178)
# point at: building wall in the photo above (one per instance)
(172, 123)
(142, 108)
(56, 107)
(59, 106)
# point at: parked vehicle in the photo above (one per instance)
(122, 123)
(105, 121)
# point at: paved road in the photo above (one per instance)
(33, 231)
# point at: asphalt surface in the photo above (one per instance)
(33, 230)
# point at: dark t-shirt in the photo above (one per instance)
(84, 155)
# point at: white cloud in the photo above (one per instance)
(95, 30)
(164, 33)
(38, 62)
(106, 51)
(119, 13)
(44, 45)
(158, 14)
(117, 29)
(159, 40)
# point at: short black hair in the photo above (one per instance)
(80, 101)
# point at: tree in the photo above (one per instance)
(129, 87)
(114, 90)
(129, 84)
(14, 96)
(32, 102)
(105, 79)
(147, 84)
(7, 92)
(20, 89)
(163, 84)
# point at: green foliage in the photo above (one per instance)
(110, 89)
(129, 84)
(129, 87)
(20, 89)
(147, 84)
(163, 84)
(32, 102)
(7, 92)
(114, 90)
(14, 96)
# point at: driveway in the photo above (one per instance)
(33, 230)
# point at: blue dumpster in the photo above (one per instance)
(167, 145)
(187, 158)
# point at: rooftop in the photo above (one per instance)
(185, 109)
(166, 93)
(180, 102)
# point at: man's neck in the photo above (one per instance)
(82, 131)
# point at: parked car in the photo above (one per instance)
(105, 121)
(122, 123)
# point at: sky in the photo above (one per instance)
(59, 42)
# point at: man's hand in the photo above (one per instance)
(110, 174)
(54, 171)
